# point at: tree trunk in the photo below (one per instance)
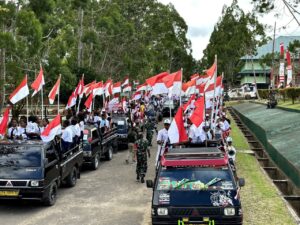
(80, 31)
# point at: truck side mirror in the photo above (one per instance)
(149, 183)
(241, 182)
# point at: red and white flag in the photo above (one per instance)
(89, 88)
(281, 49)
(20, 92)
(157, 84)
(202, 79)
(37, 85)
(98, 89)
(124, 104)
(190, 103)
(113, 104)
(54, 91)
(177, 132)
(198, 115)
(174, 83)
(127, 88)
(108, 87)
(142, 87)
(88, 102)
(137, 95)
(53, 129)
(80, 87)
(189, 88)
(126, 81)
(195, 76)
(209, 91)
(71, 101)
(212, 73)
(116, 88)
(4, 121)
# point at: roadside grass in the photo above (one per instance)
(288, 104)
(260, 199)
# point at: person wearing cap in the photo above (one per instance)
(231, 151)
(162, 138)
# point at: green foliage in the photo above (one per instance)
(265, 6)
(101, 39)
(293, 93)
(235, 35)
(263, 93)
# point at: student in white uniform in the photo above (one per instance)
(22, 133)
(13, 130)
(162, 137)
(67, 136)
(231, 151)
(32, 128)
(104, 123)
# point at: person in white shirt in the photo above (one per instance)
(97, 119)
(162, 138)
(22, 133)
(32, 128)
(231, 151)
(104, 124)
(219, 128)
(67, 136)
(13, 130)
(76, 130)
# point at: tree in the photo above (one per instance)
(235, 35)
(265, 6)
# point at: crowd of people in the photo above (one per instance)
(142, 117)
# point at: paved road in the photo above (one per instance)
(108, 196)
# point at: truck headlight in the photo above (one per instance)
(34, 183)
(162, 211)
(229, 211)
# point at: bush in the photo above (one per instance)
(282, 92)
(263, 93)
(292, 93)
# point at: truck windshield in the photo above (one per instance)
(195, 179)
(20, 156)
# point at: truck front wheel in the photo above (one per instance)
(52, 195)
(109, 153)
(95, 162)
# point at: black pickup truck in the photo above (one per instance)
(120, 122)
(33, 170)
(196, 186)
(97, 145)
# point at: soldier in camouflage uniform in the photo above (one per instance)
(150, 127)
(142, 151)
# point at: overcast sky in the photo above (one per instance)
(202, 15)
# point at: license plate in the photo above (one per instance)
(9, 193)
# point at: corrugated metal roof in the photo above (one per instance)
(267, 48)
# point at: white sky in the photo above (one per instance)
(202, 15)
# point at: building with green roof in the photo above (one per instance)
(263, 72)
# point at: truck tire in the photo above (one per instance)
(109, 153)
(52, 195)
(71, 179)
(96, 162)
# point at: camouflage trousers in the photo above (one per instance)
(141, 166)
(149, 136)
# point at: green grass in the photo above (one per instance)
(288, 104)
(260, 199)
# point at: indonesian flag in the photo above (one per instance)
(195, 76)
(174, 82)
(88, 102)
(108, 87)
(281, 49)
(53, 129)
(177, 132)
(209, 92)
(54, 91)
(157, 84)
(188, 105)
(212, 73)
(80, 87)
(126, 81)
(37, 85)
(71, 101)
(127, 88)
(190, 87)
(98, 89)
(88, 89)
(198, 115)
(20, 92)
(116, 88)
(137, 95)
(142, 87)
(4, 121)
(202, 79)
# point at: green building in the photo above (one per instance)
(262, 73)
